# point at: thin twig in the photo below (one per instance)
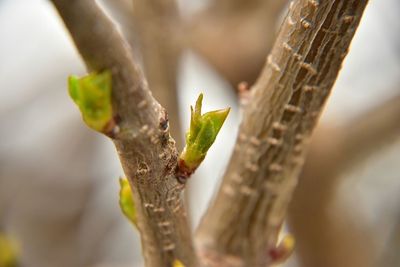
(147, 152)
(241, 226)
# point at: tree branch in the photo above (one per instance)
(241, 226)
(147, 152)
(122, 12)
(322, 239)
(158, 26)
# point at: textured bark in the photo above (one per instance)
(147, 152)
(242, 224)
(157, 24)
(325, 235)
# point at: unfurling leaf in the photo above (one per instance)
(126, 201)
(92, 94)
(201, 135)
(8, 252)
(177, 263)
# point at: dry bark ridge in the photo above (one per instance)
(147, 152)
(241, 226)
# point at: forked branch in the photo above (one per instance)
(141, 135)
(241, 226)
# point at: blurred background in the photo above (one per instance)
(59, 180)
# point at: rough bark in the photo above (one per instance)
(147, 152)
(325, 235)
(241, 226)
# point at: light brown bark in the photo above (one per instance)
(147, 152)
(241, 226)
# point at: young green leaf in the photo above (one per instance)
(92, 94)
(126, 201)
(201, 135)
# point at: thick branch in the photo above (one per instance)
(325, 238)
(242, 225)
(147, 153)
(153, 27)
(158, 26)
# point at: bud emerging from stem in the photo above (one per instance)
(201, 135)
(92, 94)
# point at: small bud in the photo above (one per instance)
(201, 135)
(177, 263)
(283, 251)
(126, 201)
(8, 252)
(92, 94)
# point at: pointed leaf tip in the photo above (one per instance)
(201, 135)
(217, 117)
(199, 103)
